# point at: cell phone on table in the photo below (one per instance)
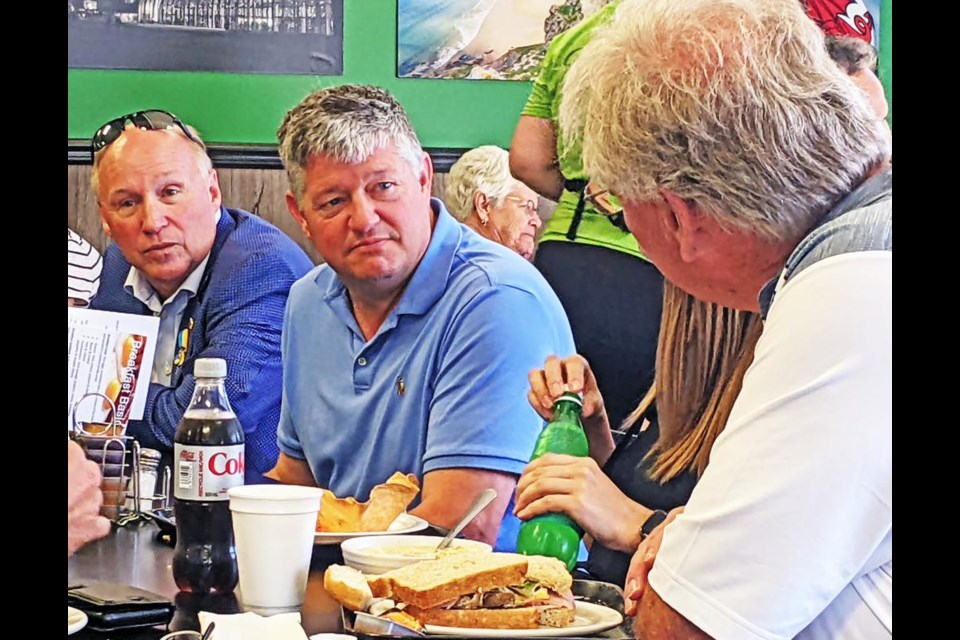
(110, 606)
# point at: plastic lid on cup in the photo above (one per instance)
(210, 368)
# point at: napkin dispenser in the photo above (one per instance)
(110, 606)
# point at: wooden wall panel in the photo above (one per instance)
(263, 192)
(260, 191)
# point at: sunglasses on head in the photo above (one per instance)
(151, 120)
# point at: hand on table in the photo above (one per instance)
(642, 562)
(579, 488)
(84, 497)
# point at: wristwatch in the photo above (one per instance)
(651, 523)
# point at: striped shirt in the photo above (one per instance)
(83, 268)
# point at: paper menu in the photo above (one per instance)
(109, 353)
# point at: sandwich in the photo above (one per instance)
(349, 587)
(477, 590)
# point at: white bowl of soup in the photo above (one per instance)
(380, 554)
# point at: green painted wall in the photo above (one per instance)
(886, 53)
(240, 108)
(246, 108)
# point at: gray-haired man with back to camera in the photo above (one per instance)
(409, 349)
(754, 174)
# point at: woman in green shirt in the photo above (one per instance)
(612, 295)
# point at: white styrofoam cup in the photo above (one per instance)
(274, 526)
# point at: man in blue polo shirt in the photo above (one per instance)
(409, 349)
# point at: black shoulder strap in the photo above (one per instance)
(580, 187)
(627, 438)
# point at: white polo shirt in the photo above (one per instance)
(792, 520)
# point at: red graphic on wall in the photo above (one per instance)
(843, 18)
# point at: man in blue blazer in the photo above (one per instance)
(218, 278)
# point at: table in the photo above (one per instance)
(133, 555)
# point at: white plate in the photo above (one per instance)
(590, 618)
(76, 620)
(405, 523)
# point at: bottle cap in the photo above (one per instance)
(569, 396)
(210, 368)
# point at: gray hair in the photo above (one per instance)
(485, 170)
(852, 54)
(733, 105)
(203, 159)
(347, 123)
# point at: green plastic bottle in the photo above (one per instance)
(554, 534)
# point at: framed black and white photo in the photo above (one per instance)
(302, 37)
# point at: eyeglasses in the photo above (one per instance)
(529, 205)
(151, 120)
(605, 204)
(602, 200)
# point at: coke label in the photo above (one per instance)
(205, 472)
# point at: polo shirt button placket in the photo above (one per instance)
(362, 374)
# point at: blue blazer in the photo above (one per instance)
(237, 315)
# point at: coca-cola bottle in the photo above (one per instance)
(208, 460)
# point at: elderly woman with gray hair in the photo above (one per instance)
(483, 195)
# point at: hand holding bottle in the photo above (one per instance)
(571, 374)
(578, 487)
(555, 534)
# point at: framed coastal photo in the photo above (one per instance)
(241, 36)
(506, 39)
(480, 39)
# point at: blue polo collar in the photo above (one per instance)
(429, 280)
